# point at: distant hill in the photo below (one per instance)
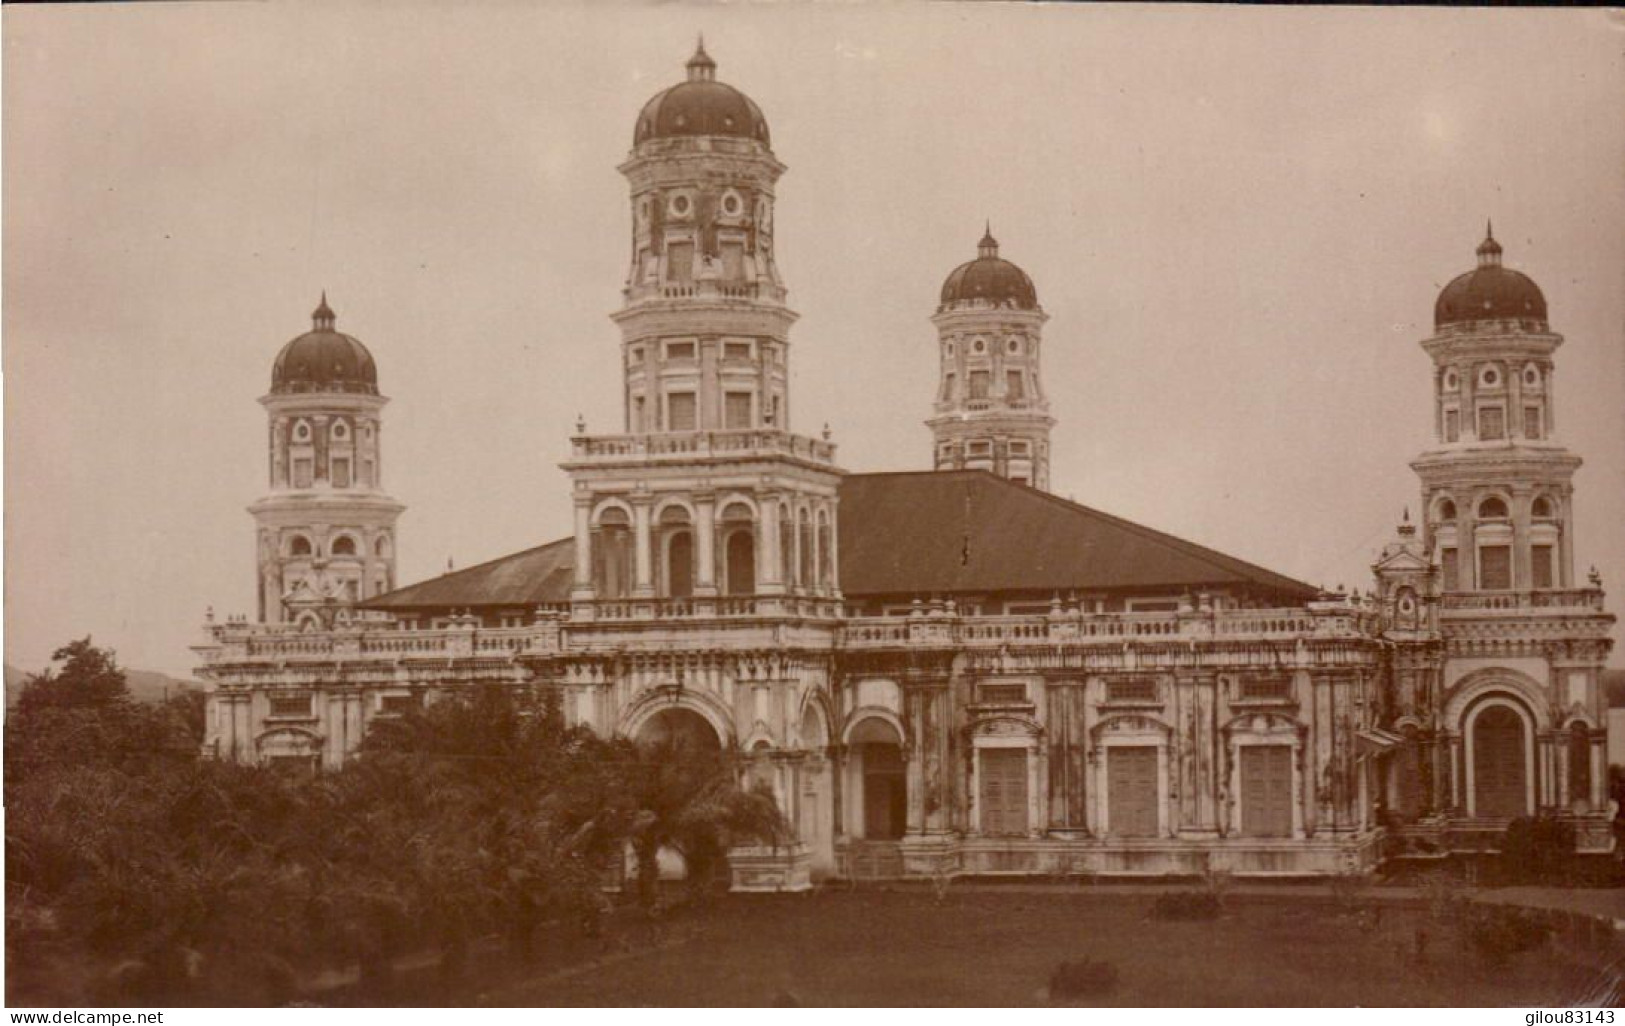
(145, 685)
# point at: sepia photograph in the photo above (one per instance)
(907, 505)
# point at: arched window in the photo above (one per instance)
(301, 431)
(612, 559)
(826, 554)
(680, 565)
(380, 548)
(299, 545)
(737, 531)
(787, 546)
(344, 545)
(678, 540)
(804, 570)
(1542, 507)
(1447, 511)
(1492, 508)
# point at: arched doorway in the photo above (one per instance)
(685, 728)
(881, 779)
(1500, 763)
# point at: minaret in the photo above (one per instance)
(1496, 485)
(325, 527)
(1505, 700)
(991, 412)
(707, 493)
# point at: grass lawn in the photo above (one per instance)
(989, 947)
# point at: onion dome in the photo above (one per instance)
(323, 360)
(1490, 292)
(991, 279)
(701, 106)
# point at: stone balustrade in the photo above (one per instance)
(679, 446)
(1567, 599)
(979, 631)
(241, 642)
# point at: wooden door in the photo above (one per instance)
(885, 793)
(1266, 790)
(1499, 767)
(1004, 791)
(1131, 790)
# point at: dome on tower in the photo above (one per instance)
(323, 360)
(990, 278)
(1489, 292)
(701, 106)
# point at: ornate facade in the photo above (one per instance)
(953, 671)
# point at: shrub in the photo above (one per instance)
(1186, 906)
(1082, 977)
(1538, 850)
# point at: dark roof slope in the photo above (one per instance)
(528, 578)
(922, 533)
(970, 531)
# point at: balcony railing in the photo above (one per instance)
(677, 446)
(705, 289)
(721, 607)
(975, 631)
(243, 642)
(1586, 599)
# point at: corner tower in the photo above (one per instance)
(325, 527)
(1497, 663)
(991, 412)
(707, 493)
(1496, 484)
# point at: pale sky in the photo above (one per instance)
(1238, 220)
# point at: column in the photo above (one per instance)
(767, 547)
(1522, 576)
(582, 589)
(834, 584)
(1565, 540)
(643, 546)
(705, 582)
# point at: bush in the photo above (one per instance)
(1538, 850)
(1497, 933)
(1082, 977)
(1186, 906)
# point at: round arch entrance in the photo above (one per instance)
(683, 728)
(881, 781)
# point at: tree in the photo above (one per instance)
(90, 678)
(687, 799)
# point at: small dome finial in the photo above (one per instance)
(989, 246)
(701, 68)
(322, 317)
(1489, 251)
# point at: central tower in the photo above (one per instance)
(706, 493)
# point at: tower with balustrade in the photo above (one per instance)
(706, 494)
(991, 412)
(1506, 714)
(325, 527)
